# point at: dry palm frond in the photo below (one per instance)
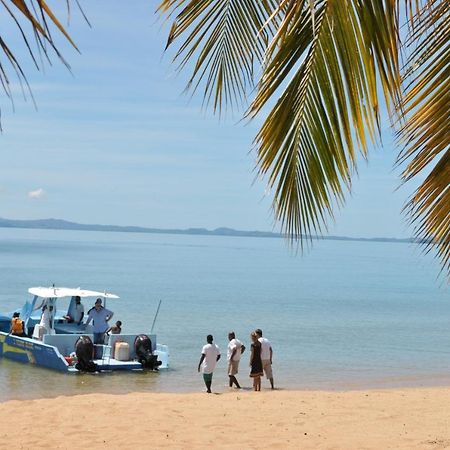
(426, 133)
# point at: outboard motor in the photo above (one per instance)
(84, 349)
(144, 354)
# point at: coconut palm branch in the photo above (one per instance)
(225, 38)
(426, 130)
(33, 19)
(327, 58)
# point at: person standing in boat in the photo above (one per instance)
(47, 319)
(100, 316)
(77, 314)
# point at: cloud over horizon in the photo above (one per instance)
(37, 194)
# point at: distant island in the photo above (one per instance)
(58, 224)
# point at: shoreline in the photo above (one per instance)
(113, 384)
(383, 418)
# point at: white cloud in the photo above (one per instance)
(38, 193)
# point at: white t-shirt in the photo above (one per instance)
(234, 344)
(211, 352)
(265, 348)
(78, 311)
(47, 319)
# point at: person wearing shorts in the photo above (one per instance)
(266, 356)
(208, 361)
(234, 352)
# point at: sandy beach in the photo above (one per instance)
(373, 419)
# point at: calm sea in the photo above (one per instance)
(346, 315)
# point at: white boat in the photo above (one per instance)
(59, 344)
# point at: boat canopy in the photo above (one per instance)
(59, 292)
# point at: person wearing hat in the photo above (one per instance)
(100, 316)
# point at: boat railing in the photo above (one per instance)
(105, 351)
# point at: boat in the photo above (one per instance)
(68, 346)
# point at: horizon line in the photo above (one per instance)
(62, 224)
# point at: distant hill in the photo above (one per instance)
(58, 224)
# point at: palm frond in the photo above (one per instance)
(39, 16)
(224, 37)
(335, 52)
(426, 135)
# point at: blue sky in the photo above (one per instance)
(117, 142)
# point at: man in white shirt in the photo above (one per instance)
(208, 361)
(234, 352)
(266, 356)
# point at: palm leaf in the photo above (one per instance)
(335, 53)
(224, 37)
(39, 17)
(426, 131)
(328, 58)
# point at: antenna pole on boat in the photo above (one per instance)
(156, 315)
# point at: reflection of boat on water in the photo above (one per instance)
(54, 342)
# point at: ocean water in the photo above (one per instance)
(345, 315)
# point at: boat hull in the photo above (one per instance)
(30, 351)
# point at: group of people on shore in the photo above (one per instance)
(260, 359)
